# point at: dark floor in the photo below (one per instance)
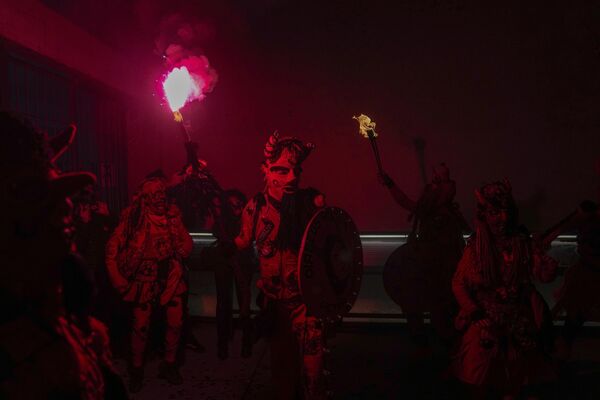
(372, 357)
(368, 361)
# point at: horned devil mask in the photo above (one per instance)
(283, 164)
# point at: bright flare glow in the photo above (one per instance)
(366, 126)
(180, 87)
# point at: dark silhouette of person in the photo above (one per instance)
(436, 244)
(50, 345)
(232, 268)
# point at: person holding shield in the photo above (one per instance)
(275, 221)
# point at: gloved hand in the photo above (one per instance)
(385, 180)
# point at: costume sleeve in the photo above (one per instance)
(460, 283)
(183, 239)
(544, 267)
(100, 342)
(245, 239)
(402, 199)
(113, 247)
(176, 179)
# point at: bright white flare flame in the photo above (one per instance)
(179, 87)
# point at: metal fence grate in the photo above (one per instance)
(52, 97)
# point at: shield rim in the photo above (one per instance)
(358, 247)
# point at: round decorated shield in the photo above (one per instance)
(330, 264)
(406, 279)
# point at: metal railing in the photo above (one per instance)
(373, 304)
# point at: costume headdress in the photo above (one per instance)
(28, 161)
(275, 146)
(495, 195)
(31, 185)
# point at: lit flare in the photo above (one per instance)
(366, 126)
(180, 87)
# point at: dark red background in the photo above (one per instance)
(503, 90)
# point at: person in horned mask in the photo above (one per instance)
(275, 220)
(50, 345)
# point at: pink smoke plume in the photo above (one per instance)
(190, 80)
(190, 75)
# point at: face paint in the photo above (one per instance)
(497, 220)
(155, 197)
(282, 175)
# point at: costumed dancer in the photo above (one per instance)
(50, 345)
(230, 268)
(275, 221)
(192, 189)
(424, 267)
(93, 226)
(579, 296)
(503, 317)
(144, 257)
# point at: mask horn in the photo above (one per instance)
(60, 143)
(307, 148)
(270, 145)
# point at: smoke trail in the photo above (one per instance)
(179, 44)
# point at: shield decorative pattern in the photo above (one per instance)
(330, 264)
